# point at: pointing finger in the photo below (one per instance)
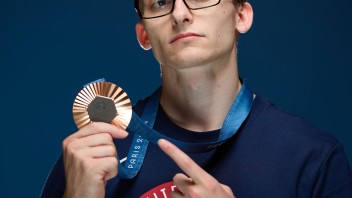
(184, 162)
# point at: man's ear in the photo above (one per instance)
(143, 37)
(245, 17)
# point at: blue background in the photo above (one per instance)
(298, 54)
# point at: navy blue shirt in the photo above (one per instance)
(274, 154)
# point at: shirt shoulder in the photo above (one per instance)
(268, 119)
(312, 157)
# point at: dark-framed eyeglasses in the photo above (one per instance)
(149, 9)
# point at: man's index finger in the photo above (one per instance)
(183, 161)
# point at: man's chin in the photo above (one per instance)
(188, 58)
(186, 62)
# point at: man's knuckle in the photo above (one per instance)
(176, 177)
(212, 186)
(226, 188)
(107, 137)
(68, 148)
(193, 192)
(73, 145)
(114, 162)
(66, 142)
(111, 150)
(114, 172)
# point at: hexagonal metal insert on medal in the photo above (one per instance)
(102, 109)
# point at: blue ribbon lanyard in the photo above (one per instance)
(143, 131)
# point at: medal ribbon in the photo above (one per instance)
(143, 131)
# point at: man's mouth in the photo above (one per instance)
(184, 36)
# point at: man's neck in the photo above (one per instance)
(198, 98)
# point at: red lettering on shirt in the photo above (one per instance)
(161, 191)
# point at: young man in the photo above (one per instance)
(272, 154)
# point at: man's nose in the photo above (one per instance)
(181, 13)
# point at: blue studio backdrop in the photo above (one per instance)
(298, 54)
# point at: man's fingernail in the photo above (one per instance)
(162, 143)
(124, 132)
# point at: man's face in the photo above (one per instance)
(189, 38)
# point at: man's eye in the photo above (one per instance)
(161, 4)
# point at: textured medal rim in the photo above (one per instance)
(105, 89)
